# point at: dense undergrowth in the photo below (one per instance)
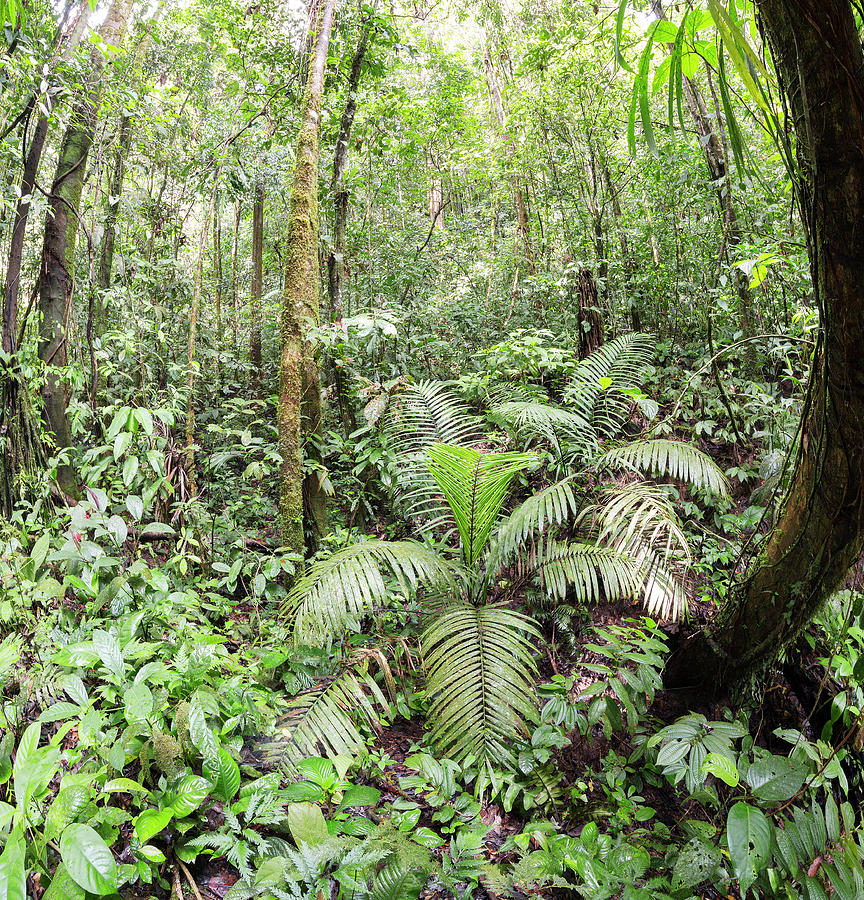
(181, 707)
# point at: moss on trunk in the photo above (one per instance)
(300, 412)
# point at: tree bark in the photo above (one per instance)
(817, 53)
(300, 390)
(56, 273)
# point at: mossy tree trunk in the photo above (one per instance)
(818, 535)
(299, 384)
(56, 272)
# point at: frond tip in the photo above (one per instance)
(670, 459)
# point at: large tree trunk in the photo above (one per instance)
(300, 389)
(818, 535)
(56, 273)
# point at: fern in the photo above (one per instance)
(535, 418)
(671, 459)
(480, 680)
(552, 506)
(397, 882)
(590, 572)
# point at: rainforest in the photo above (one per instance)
(431, 449)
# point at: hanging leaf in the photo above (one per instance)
(748, 833)
(88, 860)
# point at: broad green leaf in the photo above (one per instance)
(63, 887)
(201, 735)
(138, 701)
(13, 875)
(135, 505)
(151, 822)
(358, 796)
(748, 834)
(776, 779)
(721, 767)
(88, 860)
(307, 824)
(190, 792)
(40, 551)
(109, 652)
(224, 772)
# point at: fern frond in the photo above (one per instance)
(596, 389)
(339, 589)
(428, 412)
(397, 882)
(321, 720)
(474, 485)
(671, 459)
(480, 681)
(423, 414)
(638, 520)
(553, 505)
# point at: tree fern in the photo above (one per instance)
(480, 681)
(671, 459)
(474, 485)
(339, 589)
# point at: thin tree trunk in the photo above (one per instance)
(299, 382)
(257, 281)
(193, 328)
(818, 535)
(336, 260)
(238, 213)
(56, 274)
(522, 218)
(217, 283)
(715, 157)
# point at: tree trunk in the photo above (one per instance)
(522, 220)
(715, 157)
(336, 260)
(106, 259)
(299, 389)
(193, 328)
(257, 280)
(217, 284)
(56, 273)
(818, 535)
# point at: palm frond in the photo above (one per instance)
(322, 720)
(420, 415)
(337, 590)
(428, 412)
(480, 681)
(474, 485)
(553, 505)
(599, 386)
(590, 572)
(537, 418)
(672, 459)
(638, 520)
